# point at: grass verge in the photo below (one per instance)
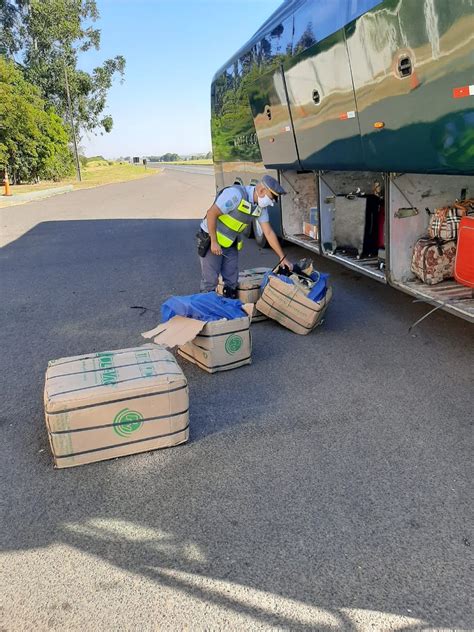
(93, 175)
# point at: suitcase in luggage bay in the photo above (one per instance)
(433, 260)
(464, 264)
(356, 224)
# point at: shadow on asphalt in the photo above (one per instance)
(330, 476)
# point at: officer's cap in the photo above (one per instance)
(272, 184)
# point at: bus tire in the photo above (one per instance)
(258, 234)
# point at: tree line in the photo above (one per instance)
(40, 45)
(175, 157)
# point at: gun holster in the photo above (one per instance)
(203, 242)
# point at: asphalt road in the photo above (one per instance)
(325, 487)
(201, 169)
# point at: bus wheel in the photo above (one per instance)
(258, 234)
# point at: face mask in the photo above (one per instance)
(264, 201)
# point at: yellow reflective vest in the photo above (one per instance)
(230, 225)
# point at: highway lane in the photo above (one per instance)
(201, 169)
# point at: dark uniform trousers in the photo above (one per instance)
(227, 265)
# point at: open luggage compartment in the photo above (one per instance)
(410, 195)
(299, 206)
(338, 215)
(352, 220)
(352, 227)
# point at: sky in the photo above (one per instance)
(173, 49)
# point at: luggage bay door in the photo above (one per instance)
(323, 106)
(272, 119)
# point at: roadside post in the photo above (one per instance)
(6, 182)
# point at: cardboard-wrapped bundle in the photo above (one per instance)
(221, 345)
(218, 344)
(104, 405)
(249, 289)
(288, 305)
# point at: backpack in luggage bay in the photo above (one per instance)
(464, 264)
(433, 260)
(356, 224)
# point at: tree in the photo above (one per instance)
(169, 157)
(47, 36)
(9, 25)
(33, 139)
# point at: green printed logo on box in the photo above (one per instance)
(106, 364)
(233, 344)
(127, 421)
(106, 360)
(146, 370)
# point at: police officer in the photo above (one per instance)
(221, 239)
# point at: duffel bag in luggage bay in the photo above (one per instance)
(444, 223)
(464, 265)
(433, 260)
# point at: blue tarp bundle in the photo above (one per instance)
(317, 292)
(209, 306)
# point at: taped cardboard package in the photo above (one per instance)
(287, 305)
(221, 345)
(310, 230)
(249, 289)
(104, 405)
(214, 346)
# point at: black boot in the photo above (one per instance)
(229, 292)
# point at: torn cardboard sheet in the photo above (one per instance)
(177, 331)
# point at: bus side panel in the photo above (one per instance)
(323, 106)
(272, 120)
(232, 128)
(412, 65)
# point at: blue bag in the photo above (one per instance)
(206, 307)
(317, 292)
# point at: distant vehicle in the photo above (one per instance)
(364, 110)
